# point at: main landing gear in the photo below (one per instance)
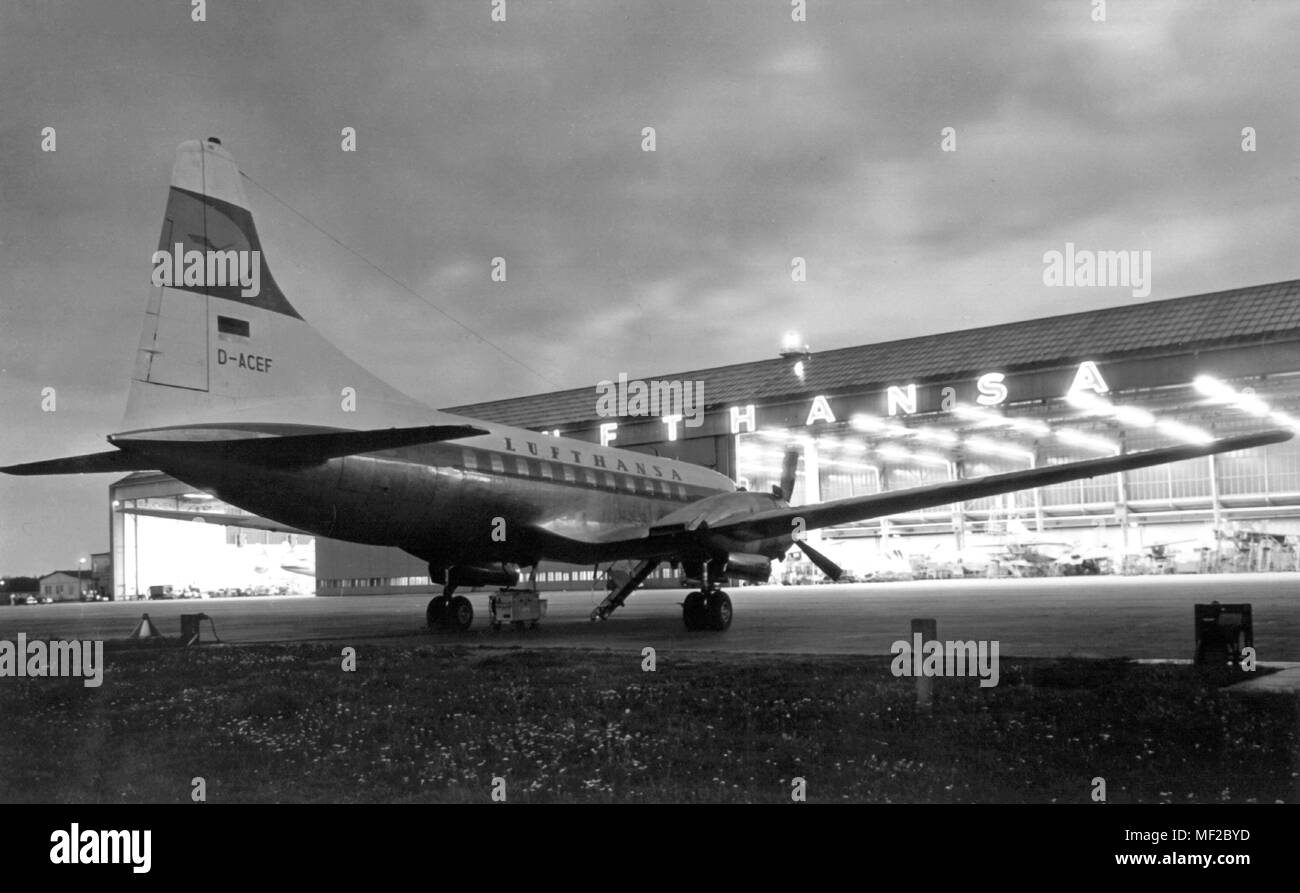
(448, 612)
(519, 607)
(707, 610)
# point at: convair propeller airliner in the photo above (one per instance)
(234, 393)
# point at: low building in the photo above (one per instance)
(66, 586)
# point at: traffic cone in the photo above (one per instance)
(145, 630)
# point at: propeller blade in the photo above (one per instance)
(824, 564)
(788, 467)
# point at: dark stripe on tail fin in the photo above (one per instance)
(204, 223)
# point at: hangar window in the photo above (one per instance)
(470, 460)
(1283, 469)
(1101, 490)
(569, 475)
(1242, 473)
(498, 465)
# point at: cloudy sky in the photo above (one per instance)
(523, 139)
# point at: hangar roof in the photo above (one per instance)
(1242, 315)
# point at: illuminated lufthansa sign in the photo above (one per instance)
(989, 389)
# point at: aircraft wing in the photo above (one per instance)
(776, 522)
(650, 541)
(251, 522)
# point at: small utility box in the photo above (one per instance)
(518, 607)
(1222, 633)
(190, 629)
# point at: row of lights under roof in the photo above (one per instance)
(978, 419)
(1088, 403)
(1245, 401)
(941, 437)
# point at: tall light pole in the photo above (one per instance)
(81, 587)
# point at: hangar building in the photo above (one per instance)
(923, 410)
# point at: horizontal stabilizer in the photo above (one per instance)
(109, 462)
(290, 449)
(249, 522)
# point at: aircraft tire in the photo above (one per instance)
(693, 613)
(460, 614)
(436, 614)
(718, 611)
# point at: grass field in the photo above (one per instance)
(285, 723)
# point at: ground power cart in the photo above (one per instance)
(519, 607)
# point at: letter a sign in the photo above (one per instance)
(1088, 378)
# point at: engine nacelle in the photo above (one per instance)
(749, 567)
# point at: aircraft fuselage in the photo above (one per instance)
(467, 501)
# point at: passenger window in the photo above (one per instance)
(546, 471)
(497, 464)
(521, 465)
(469, 459)
(569, 475)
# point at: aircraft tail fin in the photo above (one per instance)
(221, 341)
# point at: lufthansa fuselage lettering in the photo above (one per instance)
(597, 460)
